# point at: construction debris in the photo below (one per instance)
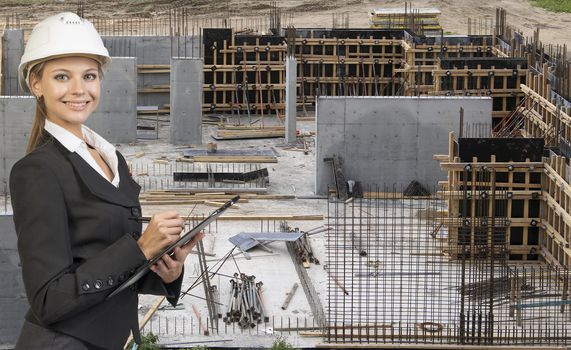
(249, 240)
(289, 296)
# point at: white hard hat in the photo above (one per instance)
(64, 34)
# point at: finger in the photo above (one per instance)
(181, 253)
(176, 222)
(161, 267)
(169, 262)
(199, 236)
(171, 231)
(170, 214)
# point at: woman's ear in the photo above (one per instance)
(35, 86)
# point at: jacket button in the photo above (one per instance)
(110, 281)
(135, 211)
(85, 286)
(98, 284)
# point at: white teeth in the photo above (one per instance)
(76, 104)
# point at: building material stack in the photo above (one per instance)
(419, 20)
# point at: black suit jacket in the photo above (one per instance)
(77, 240)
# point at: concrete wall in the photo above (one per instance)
(390, 140)
(13, 301)
(152, 50)
(12, 51)
(116, 116)
(147, 50)
(16, 116)
(186, 101)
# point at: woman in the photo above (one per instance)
(76, 207)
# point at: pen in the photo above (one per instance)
(140, 219)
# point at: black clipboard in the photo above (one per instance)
(184, 239)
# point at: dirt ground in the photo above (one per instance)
(554, 27)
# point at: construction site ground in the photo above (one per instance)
(293, 174)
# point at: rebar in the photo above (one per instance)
(398, 274)
(245, 306)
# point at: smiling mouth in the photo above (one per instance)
(76, 105)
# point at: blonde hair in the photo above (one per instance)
(41, 113)
(40, 117)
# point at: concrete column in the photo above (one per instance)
(116, 116)
(186, 100)
(13, 301)
(16, 117)
(12, 51)
(291, 96)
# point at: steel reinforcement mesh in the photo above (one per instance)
(395, 276)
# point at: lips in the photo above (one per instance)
(76, 105)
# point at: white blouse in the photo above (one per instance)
(77, 145)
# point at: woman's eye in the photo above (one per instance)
(91, 76)
(61, 77)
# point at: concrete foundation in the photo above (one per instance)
(13, 301)
(291, 96)
(12, 51)
(116, 116)
(390, 140)
(186, 100)
(16, 116)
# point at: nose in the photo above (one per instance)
(77, 86)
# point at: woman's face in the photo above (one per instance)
(70, 88)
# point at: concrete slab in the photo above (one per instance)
(16, 117)
(13, 302)
(186, 101)
(116, 116)
(390, 140)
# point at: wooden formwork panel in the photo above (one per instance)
(347, 66)
(517, 191)
(503, 85)
(422, 59)
(243, 73)
(556, 220)
(492, 203)
(543, 117)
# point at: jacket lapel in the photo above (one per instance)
(100, 186)
(96, 184)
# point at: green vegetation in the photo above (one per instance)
(148, 342)
(554, 5)
(281, 344)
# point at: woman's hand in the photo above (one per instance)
(163, 230)
(169, 269)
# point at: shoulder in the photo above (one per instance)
(42, 161)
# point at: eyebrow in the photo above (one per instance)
(68, 71)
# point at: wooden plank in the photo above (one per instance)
(235, 159)
(147, 317)
(226, 190)
(498, 166)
